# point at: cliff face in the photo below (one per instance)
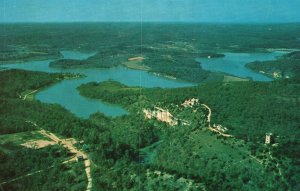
(165, 116)
(161, 115)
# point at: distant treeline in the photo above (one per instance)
(169, 49)
(288, 66)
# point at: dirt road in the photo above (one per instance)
(25, 96)
(68, 145)
(209, 125)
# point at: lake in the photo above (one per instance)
(65, 93)
(234, 64)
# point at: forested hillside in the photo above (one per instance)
(216, 143)
(248, 109)
(167, 49)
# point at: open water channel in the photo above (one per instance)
(65, 93)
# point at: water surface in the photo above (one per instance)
(66, 94)
(234, 64)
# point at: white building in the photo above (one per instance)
(268, 138)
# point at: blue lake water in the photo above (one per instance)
(66, 94)
(234, 64)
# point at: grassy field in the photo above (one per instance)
(23, 137)
(136, 65)
(234, 79)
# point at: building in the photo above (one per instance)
(79, 158)
(220, 128)
(268, 139)
(190, 103)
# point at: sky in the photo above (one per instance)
(236, 11)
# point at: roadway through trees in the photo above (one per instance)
(68, 145)
(209, 125)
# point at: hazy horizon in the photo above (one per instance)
(151, 22)
(165, 11)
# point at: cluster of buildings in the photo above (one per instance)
(190, 102)
(220, 128)
(165, 116)
(277, 75)
(161, 115)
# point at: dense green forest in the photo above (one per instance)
(132, 152)
(293, 55)
(168, 49)
(230, 37)
(21, 161)
(287, 66)
(114, 143)
(248, 109)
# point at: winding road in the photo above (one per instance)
(209, 125)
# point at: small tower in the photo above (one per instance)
(268, 138)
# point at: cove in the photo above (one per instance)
(234, 64)
(65, 93)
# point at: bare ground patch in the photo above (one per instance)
(38, 144)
